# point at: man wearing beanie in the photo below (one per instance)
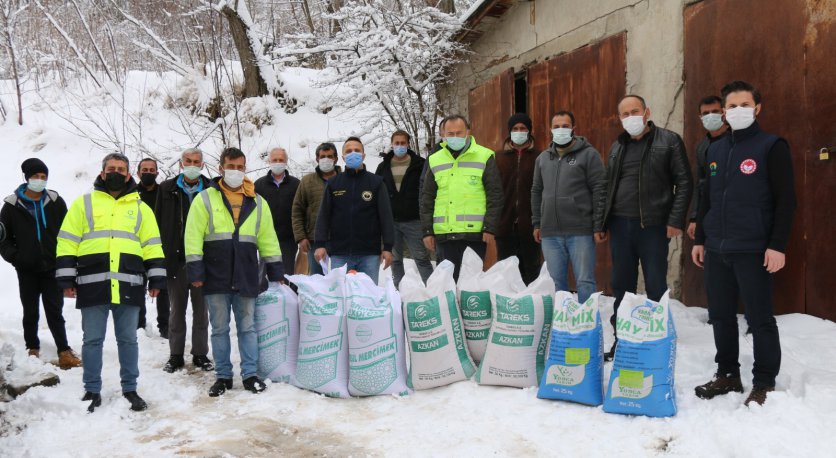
(516, 166)
(32, 216)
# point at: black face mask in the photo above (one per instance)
(148, 179)
(115, 181)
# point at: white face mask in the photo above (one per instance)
(233, 178)
(740, 117)
(35, 185)
(712, 121)
(634, 125)
(278, 168)
(519, 138)
(562, 135)
(326, 165)
(191, 171)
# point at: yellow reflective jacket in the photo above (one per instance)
(108, 247)
(224, 256)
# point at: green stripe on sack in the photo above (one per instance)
(458, 335)
(548, 313)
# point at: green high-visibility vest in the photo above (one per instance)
(460, 203)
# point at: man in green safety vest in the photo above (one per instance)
(461, 201)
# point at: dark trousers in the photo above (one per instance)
(162, 311)
(289, 248)
(453, 251)
(179, 290)
(524, 248)
(729, 277)
(631, 244)
(34, 288)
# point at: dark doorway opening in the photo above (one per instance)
(520, 93)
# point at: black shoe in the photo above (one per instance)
(175, 363)
(137, 403)
(719, 385)
(608, 356)
(203, 362)
(164, 333)
(254, 384)
(758, 395)
(219, 387)
(95, 400)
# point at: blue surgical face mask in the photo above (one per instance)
(191, 172)
(519, 138)
(712, 121)
(35, 185)
(456, 143)
(354, 160)
(562, 135)
(400, 150)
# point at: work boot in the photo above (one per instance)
(36, 352)
(719, 385)
(758, 395)
(608, 356)
(219, 387)
(175, 363)
(137, 403)
(254, 384)
(203, 362)
(67, 359)
(95, 400)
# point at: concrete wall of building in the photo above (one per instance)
(533, 31)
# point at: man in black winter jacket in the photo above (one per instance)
(401, 171)
(355, 218)
(146, 172)
(278, 188)
(32, 217)
(174, 199)
(649, 187)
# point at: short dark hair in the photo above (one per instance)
(115, 156)
(401, 133)
(326, 146)
(231, 153)
(456, 117)
(641, 99)
(353, 139)
(740, 86)
(710, 100)
(146, 159)
(564, 113)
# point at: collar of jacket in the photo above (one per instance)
(743, 134)
(508, 147)
(625, 138)
(356, 172)
(286, 174)
(176, 183)
(580, 143)
(714, 139)
(388, 156)
(99, 185)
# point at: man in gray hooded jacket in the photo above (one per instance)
(567, 211)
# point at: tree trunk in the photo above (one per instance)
(445, 6)
(254, 84)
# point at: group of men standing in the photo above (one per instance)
(212, 242)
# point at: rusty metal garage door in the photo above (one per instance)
(785, 48)
(589, 81)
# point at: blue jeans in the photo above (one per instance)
(409, 233)
(580, 250)
(631, 244)
(369, 265)
(313, 265)
(94, 325)
(219, 306)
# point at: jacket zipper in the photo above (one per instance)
(725, 188)
(517, 193)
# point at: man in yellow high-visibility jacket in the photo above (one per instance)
(461, 200)
(109, 244)
(229, 227)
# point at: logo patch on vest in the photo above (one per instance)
(572, 160)
(474, 180)
(713, 168)
(367, 196)
(749, 166)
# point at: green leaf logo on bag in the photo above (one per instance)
(423, 315)
(477, 305)
(515, 311)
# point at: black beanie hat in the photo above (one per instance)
(32, 166)
(517, 118)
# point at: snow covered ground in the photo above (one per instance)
(459, 420)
